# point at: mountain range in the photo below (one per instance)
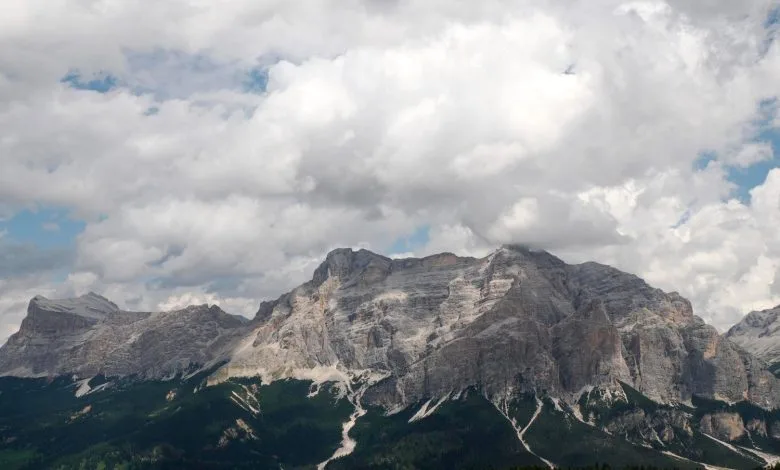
(515, 359)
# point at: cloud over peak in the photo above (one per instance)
(218, 150)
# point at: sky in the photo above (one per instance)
(188, 151)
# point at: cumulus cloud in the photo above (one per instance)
(571, 127)
(722, 255)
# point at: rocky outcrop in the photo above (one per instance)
(759, 333)
(757, 427)
(597, 358)
(641, 426)
(724, 426)
(774, 430)
(516, 321)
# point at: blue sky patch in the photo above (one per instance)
(755, 175)
(773, 18)
(771, 25)
(416, 240)
(101, 83)
(256, 80)
(38, 241)
(683, 219)
(169, 74)
(748, 178)
(44, 228)
(704, 160)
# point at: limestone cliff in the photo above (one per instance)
(515, 321)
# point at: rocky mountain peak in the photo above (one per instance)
(759, 333)
(767, 321)
(346, 264)
(90, 305)
(364, 267)
(523, 255)
(65, 316)
(518, 316)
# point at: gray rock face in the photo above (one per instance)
(515, 321)
(63, 317)
(599, 355)
(518, 320)
(90, 335)
(725, 426)
(759, 333)
(665, 426)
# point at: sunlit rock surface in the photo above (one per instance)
(516, 321)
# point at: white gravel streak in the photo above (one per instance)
(521, 432)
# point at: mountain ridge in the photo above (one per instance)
(362, 311)
(622, 370)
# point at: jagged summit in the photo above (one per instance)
(764, 320)
(526, 249)
(344, 263)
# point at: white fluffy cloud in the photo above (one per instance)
(577, 128)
